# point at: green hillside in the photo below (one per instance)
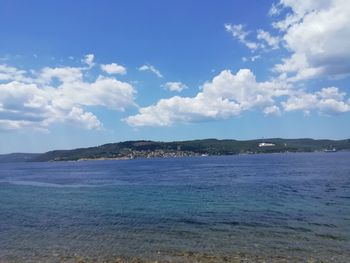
(147, 149)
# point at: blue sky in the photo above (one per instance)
(84, 73)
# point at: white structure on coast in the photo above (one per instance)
(266, 144)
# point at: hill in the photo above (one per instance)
(148, 149)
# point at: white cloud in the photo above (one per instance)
(327, 101)
(152, 69)
(84, 119)
(23, 105)
(272, 110)
(44, 101)
(11, 125)
(89, 60)
(227, 95)
(299, 9)
(271, 41)
(252, 59)
(275, 9)
(264, 40)
(318, 35)
(111, 93)
(175, 86)
(64, 74)
(12, 73)
(238, 32)
(113, 68)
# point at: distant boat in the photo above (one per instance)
(333, 150)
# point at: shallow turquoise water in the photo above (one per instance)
(273, 204)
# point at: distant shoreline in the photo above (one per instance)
(198, 156)
(207, 147)
(186, 257)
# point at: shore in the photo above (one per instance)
(175, 156)
(177, 257)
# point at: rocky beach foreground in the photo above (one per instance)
(177, 257)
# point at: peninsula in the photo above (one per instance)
(150, 149)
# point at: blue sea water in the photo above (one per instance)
(285, 205)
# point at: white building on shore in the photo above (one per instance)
(266, 144)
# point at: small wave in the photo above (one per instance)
(298, 229)
(343, 197)
(192, 222)
(43, 184)
(331, 236)
(322, 225)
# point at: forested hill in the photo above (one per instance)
(148, 149)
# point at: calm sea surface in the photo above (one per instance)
(293, 206)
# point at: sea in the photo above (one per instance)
(285, 207)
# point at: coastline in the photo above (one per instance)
(174, 257)
(195, 155)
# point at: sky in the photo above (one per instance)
(84, 73)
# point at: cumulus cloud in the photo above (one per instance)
(175, 86)
(317, 33)
(63, 74)
(85, 119)
(89, 60)
(59, 95)
(12, 73)
(113, 68)
(150, 68)
(299, 8)
(327, 101)
(227, 95)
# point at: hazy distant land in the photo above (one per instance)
(150, 149)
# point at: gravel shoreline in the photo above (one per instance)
(179, 257)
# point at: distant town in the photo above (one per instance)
(133, 154)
